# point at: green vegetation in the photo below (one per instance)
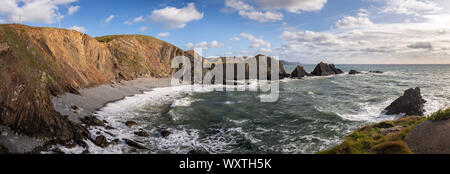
(440, 115)
(108, 38)
(382, 138)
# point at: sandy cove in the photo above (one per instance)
(89, 101)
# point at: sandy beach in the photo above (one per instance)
(90, 100)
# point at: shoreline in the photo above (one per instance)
(89, 101)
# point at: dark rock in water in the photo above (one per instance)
(323, 69)
(299, 72)
(115, 141)
(58, 151)
(77, 109)
(164, 133)
(131, 123)
(134, 144)
(376, 72)
(336, 70)
(198, 152)
(142, 134)
(92, 121)
(353, 72)
(101, 141)
(411, 104)
(3, 150)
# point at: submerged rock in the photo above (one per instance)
(323, 69)
(142, 134)
(131, 123)
(299, 72)
(353, 72)
(376, 72)
(134, 144)
(411, 104)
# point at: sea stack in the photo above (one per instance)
(299, 72)
(323, 69)
(410, 104)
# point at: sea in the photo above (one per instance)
(311, 114)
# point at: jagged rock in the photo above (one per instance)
(142, 134)
(115, 141)
(323, 69)
(92, 121)
(299, 72)
(353, 72)
(134, 144)
(131, 123)
(101, 141)
(411, 104)
(40, 63)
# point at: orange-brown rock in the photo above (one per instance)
(36, 63)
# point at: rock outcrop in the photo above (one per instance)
(37, 63)
(323, 69)
(353, 72)
(299, 72)
(411, 104)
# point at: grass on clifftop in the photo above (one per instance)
(440, 115)
(374, 139)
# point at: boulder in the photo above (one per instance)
(164, 133)
(353, 72)
(101, 141)
(92, 121)
(323, 69)
(134, 144)
(299, 72)
(410, 104)
(131, 123)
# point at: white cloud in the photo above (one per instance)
(164, 34)
(143, 29)
(262, 16)
(350, 22)
(135, 20)
(293, 6)
(247, 11)
(73, 9)
(173, 17)
(111, 17)
(255, 42)
(78, 28)
(39, 11)
(204, 45)
(235, 39)
(410, 7)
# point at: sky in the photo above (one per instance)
(306, 31)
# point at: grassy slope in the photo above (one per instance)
(371, 140)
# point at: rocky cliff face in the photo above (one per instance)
(36, 63)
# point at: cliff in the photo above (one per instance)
(36, 63)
